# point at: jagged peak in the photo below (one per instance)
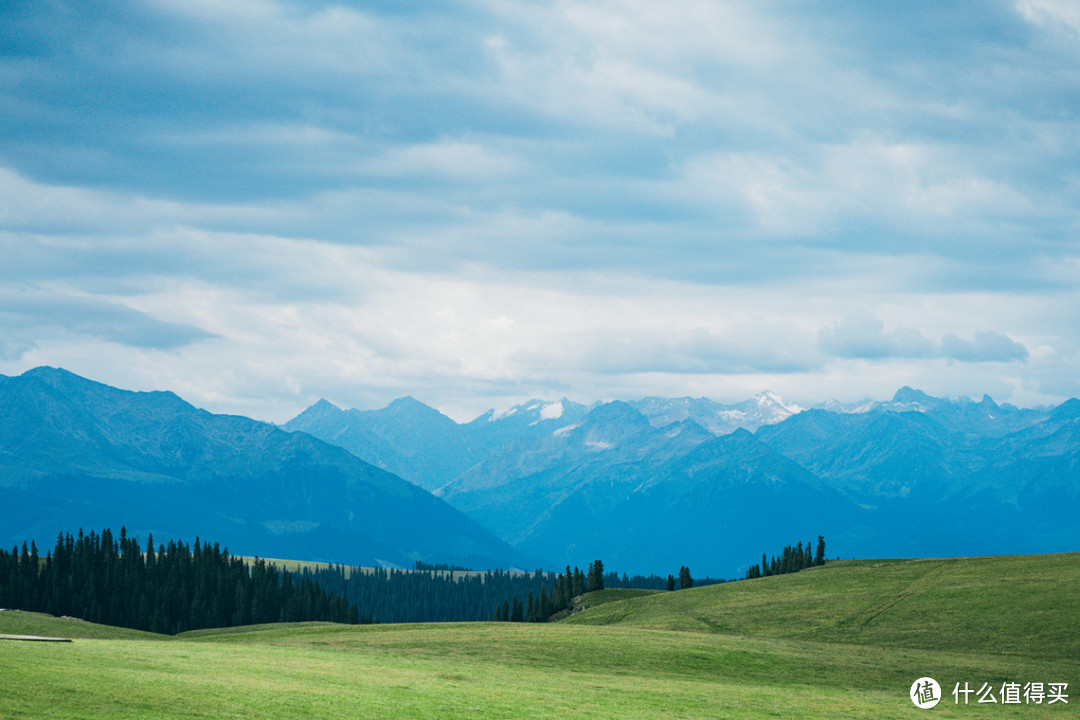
(908, 394)
(768, 397)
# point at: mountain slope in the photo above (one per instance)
(715, 507)
(645, 485)
(407, 438)
(645, 498)
(75, 453)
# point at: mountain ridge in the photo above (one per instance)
(76, 453)
(885, 477)
(554, 479)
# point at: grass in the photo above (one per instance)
(1022, 605)
(616, 660)
(610, 595)
(15, 622)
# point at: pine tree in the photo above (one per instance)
(579, 582)
(595, 580)
(820, 558)
(670, 583)
(685, 580)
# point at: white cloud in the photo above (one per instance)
(462, 160)
(863, 336)
(986, 346)
(1059, 13)
(264, 202)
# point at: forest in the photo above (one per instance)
(793, 559)
(177, 587)
(115, 580)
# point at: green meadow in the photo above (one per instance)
(846, 640)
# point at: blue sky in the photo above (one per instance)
(258, 203)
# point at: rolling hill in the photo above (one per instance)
(1018, 605)
(846, 640)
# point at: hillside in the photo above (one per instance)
(846, 640)
(1022, 605)
(76, 453)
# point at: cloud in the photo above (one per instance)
(1055, 13)
(985, 347)
(499, 197)
(863, 336)
(696, 352)
(49, 314)
(13, 349)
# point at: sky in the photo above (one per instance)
(260, 203)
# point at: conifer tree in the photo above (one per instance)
(595, 580)
(579, 582)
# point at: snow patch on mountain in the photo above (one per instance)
(563, 430)
(500, 414)
(769, 399)
(765, 408)
(551, 411)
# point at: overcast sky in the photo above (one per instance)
(258, 203)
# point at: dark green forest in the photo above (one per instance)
(391, 596)
(175, 588)
(793, 559)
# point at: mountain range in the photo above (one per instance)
(659, 482)
(646, 485)
(79, 454)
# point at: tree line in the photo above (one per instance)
(177, 587)
(429, 595)
(432, 593)
(792, 559)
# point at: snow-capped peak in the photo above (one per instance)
(769, 398)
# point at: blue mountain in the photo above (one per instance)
(647, 487)
(78, 454)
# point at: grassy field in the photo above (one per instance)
(1024, 605)
(713, 652)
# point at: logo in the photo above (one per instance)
(925, 693)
